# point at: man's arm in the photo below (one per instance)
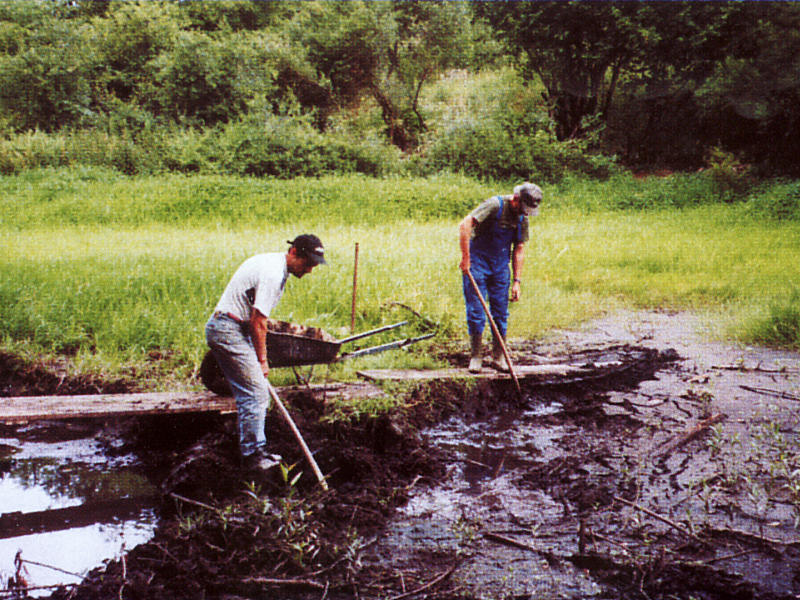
(258, 333)
(517, 260)
(464, 234)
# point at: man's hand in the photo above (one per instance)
(265, 368)
(516, 290)
(464, 265)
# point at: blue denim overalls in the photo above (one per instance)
(490, 251)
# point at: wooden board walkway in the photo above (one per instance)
(522, 372)
(20, 409)
(32, 408)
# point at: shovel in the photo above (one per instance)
(288, 418)
(496, 333)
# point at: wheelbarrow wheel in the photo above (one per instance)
(212, 377)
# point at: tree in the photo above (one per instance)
(577, 49)
(45, 69)
(387, 51)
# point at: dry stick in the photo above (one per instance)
(769, 392)
(670, 445)
(672, 524)
(726, 557)
(496, 333)
(757, 368)
(285, 582)
(38, 564)
(496, 537)
(194, 502)
(288, 418)
(428, 585)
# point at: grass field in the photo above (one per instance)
(120, 274)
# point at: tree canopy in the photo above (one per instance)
(649, 82)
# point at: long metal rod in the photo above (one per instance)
(288, 418)
(387, 346)
(358, 336)
(496, 333)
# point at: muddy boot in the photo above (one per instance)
(499, 361)
(476, 351)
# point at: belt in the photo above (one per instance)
(226, 315)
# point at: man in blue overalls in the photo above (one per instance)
(489, 236)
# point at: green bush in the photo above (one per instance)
(779, 200)
(488, 149)
(285, 147)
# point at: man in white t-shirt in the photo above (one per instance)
(237, 336)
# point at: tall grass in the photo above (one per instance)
(121, 273)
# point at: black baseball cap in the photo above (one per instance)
(309, 246)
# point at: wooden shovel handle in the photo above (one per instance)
(288, 418)
(496, 333)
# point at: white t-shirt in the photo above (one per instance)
(257, 283)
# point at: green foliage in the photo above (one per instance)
(45, 75)
(731, 178)
(90, 197)
(285, 147)
(486, 149)
(777, 200)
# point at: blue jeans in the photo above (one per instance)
(493, 282)
(230, 342)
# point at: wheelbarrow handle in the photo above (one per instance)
(387, 346)
(358, 336)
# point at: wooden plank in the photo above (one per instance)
(522, 371)
(32, 408)
(18, 409)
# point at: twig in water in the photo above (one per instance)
(430, 584)
(757, 368)
(669, 522)
(769, 392)
(674, 443)
(38, 564)
(496, 537)
(726, 557)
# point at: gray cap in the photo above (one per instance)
(531, 196)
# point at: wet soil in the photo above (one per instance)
(672, 472)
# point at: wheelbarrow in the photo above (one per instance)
(294, 345)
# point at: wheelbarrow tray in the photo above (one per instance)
(292, 345)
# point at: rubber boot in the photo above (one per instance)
(476, 353)
(499, 361)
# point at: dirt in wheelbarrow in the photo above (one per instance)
(668, 468)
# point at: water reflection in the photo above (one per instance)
(66, 505)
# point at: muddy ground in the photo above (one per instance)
(671, 472)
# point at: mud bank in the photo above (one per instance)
(662, 478)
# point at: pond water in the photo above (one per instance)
(80, 506)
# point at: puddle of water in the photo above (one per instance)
(480, 494)
(84, 505)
